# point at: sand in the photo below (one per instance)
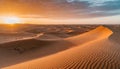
(96, 34)
(96, 49)
(9, 37)
(31, 48)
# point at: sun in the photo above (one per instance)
(11, 20)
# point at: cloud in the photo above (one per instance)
(93, 2)
(98, 8)
(62, 8)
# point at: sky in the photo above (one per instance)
(63, 11)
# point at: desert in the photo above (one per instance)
(97, 48)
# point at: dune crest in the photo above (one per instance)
(115, 37)
(100, 32)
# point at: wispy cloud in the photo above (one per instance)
(93, 2)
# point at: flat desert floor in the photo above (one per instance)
(96, 48)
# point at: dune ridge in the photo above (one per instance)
(29, 49)
(100, 32)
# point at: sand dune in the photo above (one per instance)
(93, 50)
(29, 49)
(48, 37)
(96, 34)
(8, 37)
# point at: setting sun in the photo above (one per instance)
(11, 20)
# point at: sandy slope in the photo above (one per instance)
(8, 37)
(96, 34)
(47, 37)
(94, 50)
(29, 49)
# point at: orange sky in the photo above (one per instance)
(62, 11)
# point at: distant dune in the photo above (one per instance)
(13, 36)
(92, 50)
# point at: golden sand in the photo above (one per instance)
(93, 50)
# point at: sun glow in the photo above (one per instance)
(11, 20)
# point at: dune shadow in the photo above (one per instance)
(25, 50)
(115, 37)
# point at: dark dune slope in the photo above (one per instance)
(24, 50)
